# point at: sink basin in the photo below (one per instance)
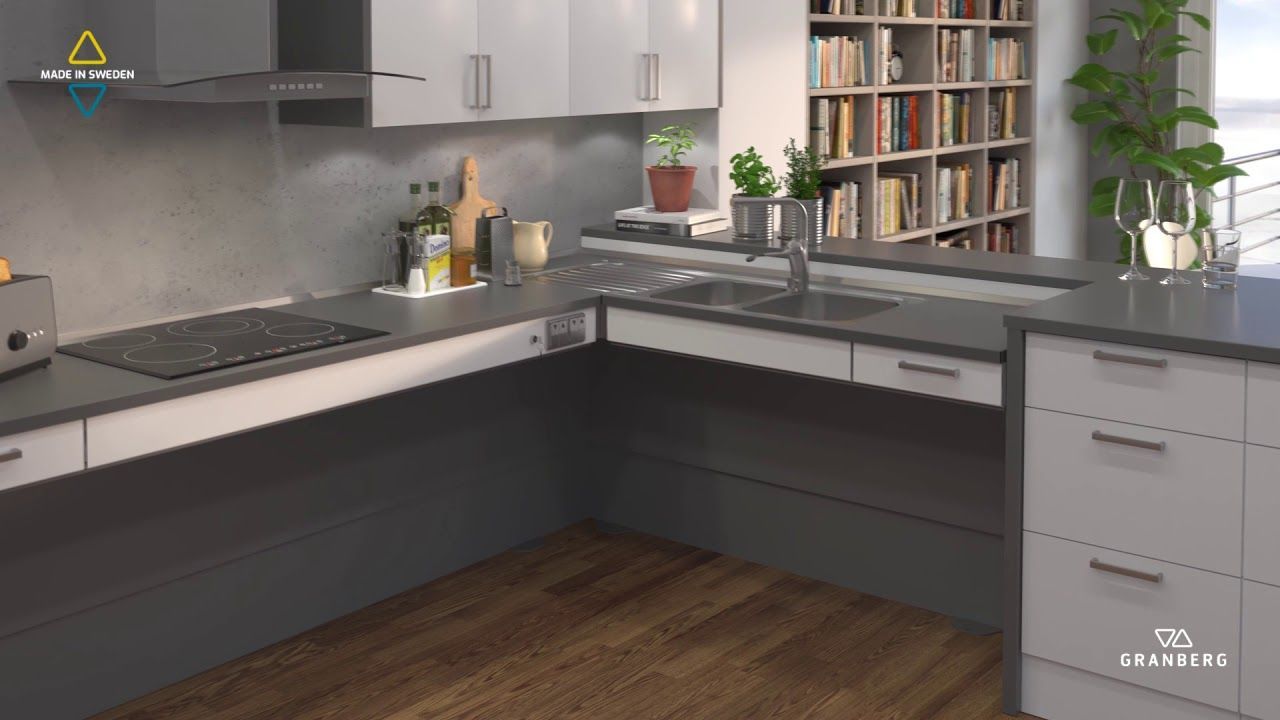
(718, 293)
(821, 307)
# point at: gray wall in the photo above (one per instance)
(151, 209)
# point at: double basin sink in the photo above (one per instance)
(811, 306)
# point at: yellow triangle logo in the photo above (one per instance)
(87, 35)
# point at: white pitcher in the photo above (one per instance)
(532, 243)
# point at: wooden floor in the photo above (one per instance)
(603, 627)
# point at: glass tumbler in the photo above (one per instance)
(1220, 255)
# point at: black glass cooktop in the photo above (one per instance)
(188, 347)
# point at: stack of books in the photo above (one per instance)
(1006, 59)
(962, 239)
(898, 123)
(898, 8)
(885, 56)
(1005, 184)
(1003, 237)
(837, 7)
(837, 61)
(954, 113)
(963, 9)
(693, 222)
(954, 192)
(1002, 115)
(955, 56)
(843, 203)
(1008, 10)
(899, 202)
(831, 127)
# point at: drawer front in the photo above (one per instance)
(1179, 391)
(1263, 427)
(719, 341)
(1260, 661)
(41, 454)
(1079, 610)
(967, 380)
(1156, 493)
(1050, 690)
(1262, 514)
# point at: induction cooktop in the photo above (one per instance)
(198, 345)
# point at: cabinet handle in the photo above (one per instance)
(475, 61)
(1097, 564)
(1129, 442)
(646, 93)
(929, 369)
(1159, 363)
(488, 82)
(10, 455)
(657, 76)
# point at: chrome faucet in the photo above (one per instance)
(797, 249)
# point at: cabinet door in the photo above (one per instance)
(608, 51)
(1260, 664)
(684, 36)
(437, 39)
(525, 49)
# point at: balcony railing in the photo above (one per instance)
(1257, 219)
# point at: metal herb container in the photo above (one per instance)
(752, 222)
(792, 219)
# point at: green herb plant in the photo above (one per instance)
(751, 176)
(804, 172)
(676, 141)
(1137, 118)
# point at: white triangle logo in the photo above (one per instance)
(1165, 636)
(1182, 640)
(1173, 638)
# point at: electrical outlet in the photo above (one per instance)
(565, 331)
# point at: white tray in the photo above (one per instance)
(434, 293)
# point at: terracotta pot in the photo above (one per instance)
(671, 186)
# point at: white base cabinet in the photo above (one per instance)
(1260, 661)
(1058, 692)
(41, 454)
(1262, 515)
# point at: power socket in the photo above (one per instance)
(565, 331)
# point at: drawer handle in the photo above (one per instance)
(930, 369)
(1097, 564)
(1159, 363)
(1129, 442)
(10, 455)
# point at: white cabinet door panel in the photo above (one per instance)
(1050, 690)
(1262, 514)
(437, 39)
(968, 380)
(41, 454)
(1260, 664)
(684, 36)
(1264, 404)
(525, 44)
(609, 43)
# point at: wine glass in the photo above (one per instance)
(1135, 211)
(1176, 215)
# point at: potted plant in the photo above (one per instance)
(671, 181)
(804, 182)
(1137, 120)
(752, 178)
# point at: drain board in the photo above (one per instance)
(617, 277)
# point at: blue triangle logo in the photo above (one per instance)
(91, 108)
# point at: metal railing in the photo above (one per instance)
(1234, 193)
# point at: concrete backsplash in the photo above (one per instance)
(155, 209)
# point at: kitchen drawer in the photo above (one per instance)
(1260, 656)
(1058, 692)
(968, 380)
(41, 454)
(732, 343)
(1261, 510)
(1085, 480)
(1158, 388)
(1264, 404)
(1077, 613)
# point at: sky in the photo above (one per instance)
(1248, 32)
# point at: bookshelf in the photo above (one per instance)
(917, 40)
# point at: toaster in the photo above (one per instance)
(28, 331)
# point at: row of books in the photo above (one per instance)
(954, 113)
(962, 239)
(899, 202)
(843, 203)
(837, 62)
(898, 123)
(1008, 10)
(963, 9)
(955, 183)
(1006, 59)
(897, 8)
(1002, 115)
(884, 62)
(838, 7)
(693, 222)
(831, 127)
(1003, 237)
(1004, 177)
(955, 55)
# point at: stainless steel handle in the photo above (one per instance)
(646, 93)
(10, 455)
(488, 82)
(1097, 564)
(929, 369)
(1129, 442)
(475, 61)
(1159, 363)
(657, 76)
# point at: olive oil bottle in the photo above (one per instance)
(435, 218)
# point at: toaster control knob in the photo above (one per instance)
(18, 340)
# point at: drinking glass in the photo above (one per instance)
(1176, 216)
(1221, 258)
(1135, 211)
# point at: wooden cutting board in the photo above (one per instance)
(470, 207)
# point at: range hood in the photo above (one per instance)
(233, 50)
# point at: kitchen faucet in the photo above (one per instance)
(797, 249)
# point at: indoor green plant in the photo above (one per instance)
(670, 180)
(803, 182)
(753, 178)
(1136, 115)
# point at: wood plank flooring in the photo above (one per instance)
(607, 627)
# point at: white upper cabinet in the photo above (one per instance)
(524, 58)
(438, 40)
(684, 37)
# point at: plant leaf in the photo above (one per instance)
(1091, 112)
(1137, 27)
(1198, 19)
(1101, 43)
